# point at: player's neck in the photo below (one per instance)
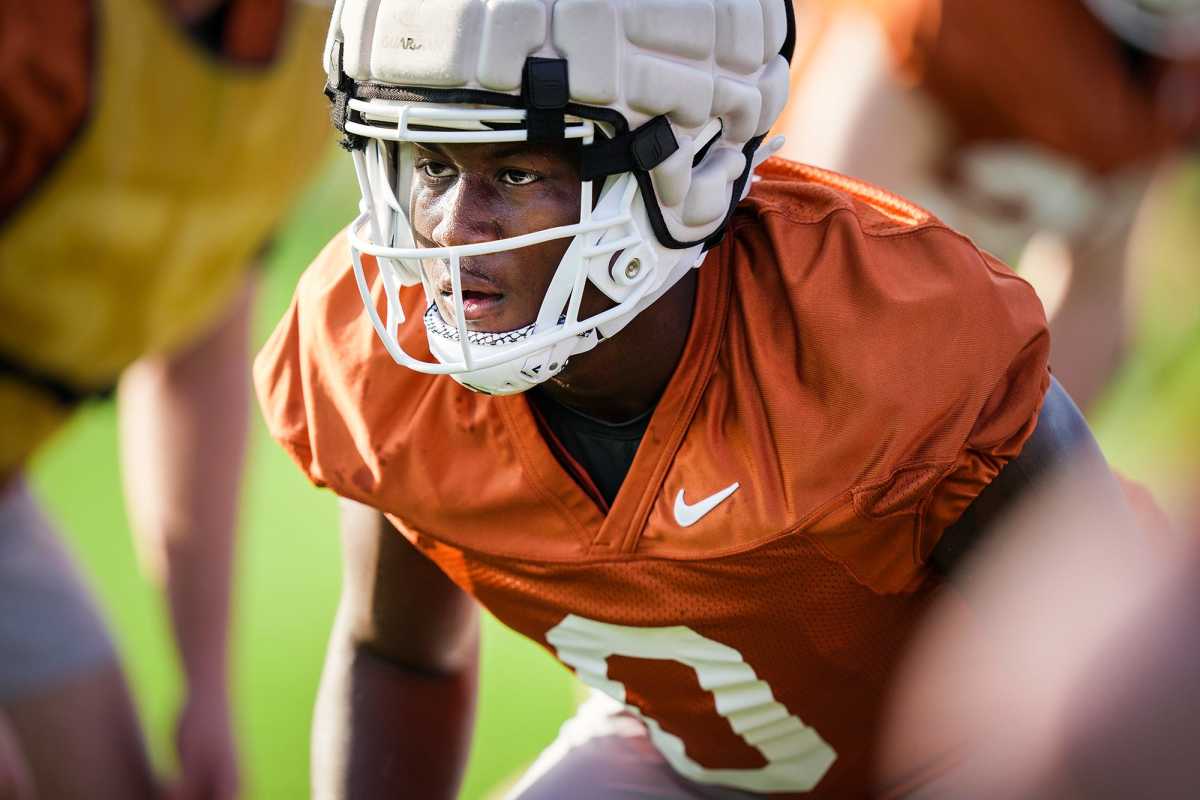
(624, 376)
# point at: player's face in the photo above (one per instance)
(465, 194)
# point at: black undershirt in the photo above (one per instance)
(604, 450)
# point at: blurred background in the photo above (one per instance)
(287, 581)
(287, 573)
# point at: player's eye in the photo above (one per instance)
(434, 169)
(518, 177)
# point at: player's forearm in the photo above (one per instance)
(199, 598)
(184, 421)
(384, 729)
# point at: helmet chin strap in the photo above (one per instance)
(511, 378)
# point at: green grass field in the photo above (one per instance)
(288, 558)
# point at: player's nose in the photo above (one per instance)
(468, 215)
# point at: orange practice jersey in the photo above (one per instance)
(1046, 71)
(859, 371)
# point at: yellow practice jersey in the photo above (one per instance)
(147, 168)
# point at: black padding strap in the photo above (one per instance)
(546, 91)
(789, 42)
(339, 94)
(643, 149)
(738, 187)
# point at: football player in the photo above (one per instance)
(1035, 127)
(711, 438)
(148, 148)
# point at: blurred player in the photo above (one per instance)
(1033, 126)
(148, 149)
(713, 442)
(1085, 684)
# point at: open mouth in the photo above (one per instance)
(480, 298)
(481, 295)
(476, 304)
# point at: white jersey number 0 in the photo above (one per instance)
(797, 757)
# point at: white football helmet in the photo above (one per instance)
(669, 99)
(1166, 28)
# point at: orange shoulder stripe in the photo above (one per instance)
(890, 205)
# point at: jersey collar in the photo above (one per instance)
(619, 530)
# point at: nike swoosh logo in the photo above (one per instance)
(688, 515)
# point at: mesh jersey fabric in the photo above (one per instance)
(153, 190)
(859, 369)
(1046, 71)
